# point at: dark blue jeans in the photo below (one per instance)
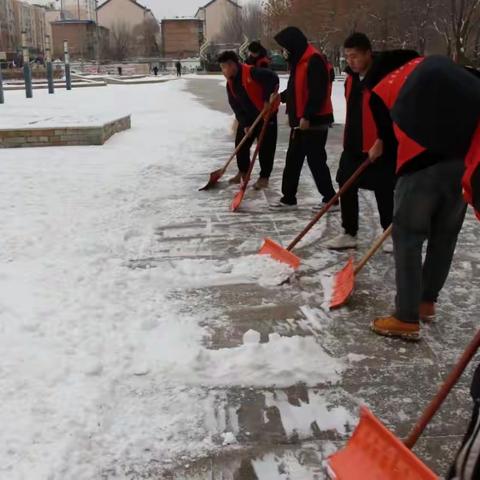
(428, 206)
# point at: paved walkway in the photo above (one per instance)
(393, 378)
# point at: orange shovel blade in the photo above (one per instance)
(237, 200)
(279, 253)
(213, 180)
(374, 453)
(343, 285)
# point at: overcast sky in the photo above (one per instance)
(175, 8)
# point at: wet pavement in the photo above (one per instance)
(274, 438)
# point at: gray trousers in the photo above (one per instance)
(428, 206)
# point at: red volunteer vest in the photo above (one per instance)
(369, 127)
(301, 84)
(472, 163)
(389, 90)
(254, 89)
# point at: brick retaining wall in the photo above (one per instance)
(62, 136)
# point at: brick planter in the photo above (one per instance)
(62, 136)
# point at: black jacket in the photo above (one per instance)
(318, 78)
(383, 64)
(245, 111)
(439, 106)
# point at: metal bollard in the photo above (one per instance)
(2, 97)
(48, 55)
(27, 72)
(68, 76)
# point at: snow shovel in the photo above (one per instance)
(283, 255)
(237, 200)
(344, 280)
(218, 174)
(374, 453)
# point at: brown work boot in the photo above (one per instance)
(261, 183)
(427, 312)
(392, 327)
(237, 179)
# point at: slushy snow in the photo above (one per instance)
(102, 372)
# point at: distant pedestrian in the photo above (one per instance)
(119, 70)
(155, 70)
(178, 66)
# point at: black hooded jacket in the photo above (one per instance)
(439, 106)
(295, 42)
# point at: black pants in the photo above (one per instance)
(350, 210)
(379, 177)
(267, 149)
(310, 144)
(428, 206)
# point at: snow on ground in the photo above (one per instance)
(101, 370)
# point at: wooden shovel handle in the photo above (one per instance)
(268, 115)
(245, 138)
(445, 389)
(378, 243)
(329, 205)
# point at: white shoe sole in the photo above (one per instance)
(334, 209)
(342, 247)
(283, 208)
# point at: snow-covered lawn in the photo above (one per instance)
(101, 370)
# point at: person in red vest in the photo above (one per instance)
(310, 113)
(249, 90)
(432, 107)
(258, 56)
(365, 70)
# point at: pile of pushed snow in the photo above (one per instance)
(281, 362)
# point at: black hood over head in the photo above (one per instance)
(439, 106)
(387, 62)
(293, 40)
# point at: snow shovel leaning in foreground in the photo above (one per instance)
(283, 255)
(218, 174)
(374, 453)
(344, 280)
(237, 200)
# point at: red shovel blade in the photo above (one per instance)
(374, 453)
(343, 285)
(277, 252)
(214, 178)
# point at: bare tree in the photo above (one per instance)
(121, 41)
(248, 23)
(147, 35)
(457, 21)
(232, 31)
(253, 19)
(276, 17)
